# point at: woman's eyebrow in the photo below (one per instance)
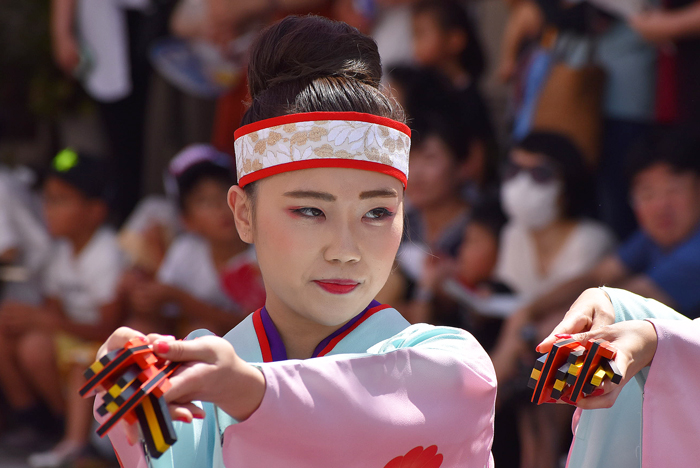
(381, 193)
(310, 194)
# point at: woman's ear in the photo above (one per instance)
(242, 209)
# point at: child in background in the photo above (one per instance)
(188, 290)
(445, 39)
(451, 167)
(468, 280)
(61, 336)
(148, 232)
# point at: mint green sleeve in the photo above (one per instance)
(630, 306)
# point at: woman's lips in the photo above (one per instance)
(337, 286)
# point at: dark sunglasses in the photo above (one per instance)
(541, 174)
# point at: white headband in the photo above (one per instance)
(322, 139)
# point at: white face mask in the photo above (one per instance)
(529, 203)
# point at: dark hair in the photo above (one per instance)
(568, 159)
(488, 213)
(451, 16)
(435, 107)
(679, 147)
(197, 173)
(310, 64)
(87, 173)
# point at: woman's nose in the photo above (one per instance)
(342, 245)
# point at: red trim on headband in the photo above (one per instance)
(322, 162)
(311, 116)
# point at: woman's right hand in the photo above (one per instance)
(118, 340)
(211, 371)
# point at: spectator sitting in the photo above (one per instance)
(662, 259)
(547, 241)
(39, 343)
(469, 280)
(25, 243)
(148, 232)
(446, 40)
(189, 286)
(437, 212)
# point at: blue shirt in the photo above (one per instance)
(675, 271)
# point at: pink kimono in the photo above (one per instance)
(655, 420)
(671, 416)
(380, 394)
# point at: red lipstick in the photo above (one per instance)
(337, 286)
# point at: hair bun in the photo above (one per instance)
(300, 49)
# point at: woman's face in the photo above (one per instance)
(532, 190)
(325, 239)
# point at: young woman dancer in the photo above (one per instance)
(322, 166)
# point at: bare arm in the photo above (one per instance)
(610, 270)
(664, 26)
(525, 22)
(64, 45)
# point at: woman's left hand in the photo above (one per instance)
(635, 341)
(213, 372)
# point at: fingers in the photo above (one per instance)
(118, 339)
(603, 397)
(591, 310)
(200, 349)
(186, 412)
(155, 337)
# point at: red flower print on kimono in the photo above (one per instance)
(418, 458)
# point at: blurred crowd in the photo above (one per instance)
(589, 175)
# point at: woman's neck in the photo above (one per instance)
(437, 218)
(549, 241)
(299, 334)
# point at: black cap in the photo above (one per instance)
(86, 173)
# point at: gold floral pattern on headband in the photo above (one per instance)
(327, 139)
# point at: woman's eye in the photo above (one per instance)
(309, 212)
(379, 213)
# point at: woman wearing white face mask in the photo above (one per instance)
(548, 239)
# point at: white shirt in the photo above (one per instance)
(189, 266)
(85, 282)
(518, 267)
(102, 30)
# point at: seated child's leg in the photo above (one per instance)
(78, 410)
(15, 386)
(37, 358)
